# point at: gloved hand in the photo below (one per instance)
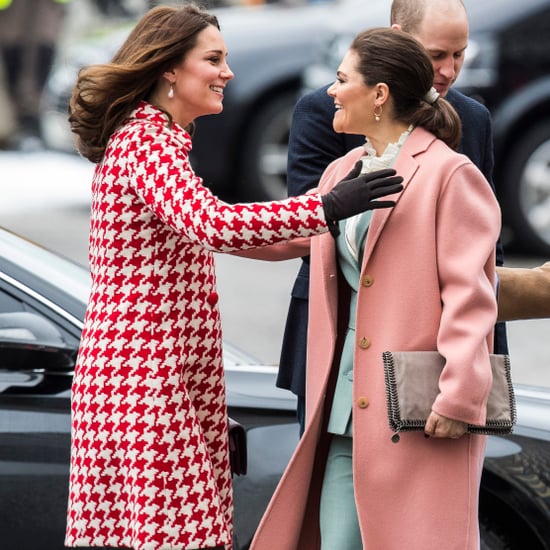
(357, 193)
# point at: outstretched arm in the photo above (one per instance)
(523, 293)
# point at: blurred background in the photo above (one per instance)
(278, 50)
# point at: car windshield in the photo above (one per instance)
(62, 273)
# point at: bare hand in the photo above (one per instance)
(441, 426)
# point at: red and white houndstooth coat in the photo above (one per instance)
(149, 460)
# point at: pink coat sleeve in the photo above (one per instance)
(466, 267)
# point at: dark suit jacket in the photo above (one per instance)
(313, 145)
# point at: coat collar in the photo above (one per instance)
(148, 112)
(406, 165)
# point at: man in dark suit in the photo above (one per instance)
(442, 27)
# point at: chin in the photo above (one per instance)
(443, 90)
(337, 126)
(342, 129)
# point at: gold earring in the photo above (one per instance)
(171, 91)
(377, 113)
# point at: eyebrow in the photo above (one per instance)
(440, 51)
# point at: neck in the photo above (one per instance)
(385, 134)
(171, 107)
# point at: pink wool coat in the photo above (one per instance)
(149, 457)
(427, 283)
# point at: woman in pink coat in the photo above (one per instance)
(149, 459)
(419, 276)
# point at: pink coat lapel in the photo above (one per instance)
(405, 166)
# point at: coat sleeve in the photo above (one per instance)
(467, 226)
(159, 170)
(333, 173)
(477, 141)
(296, 248)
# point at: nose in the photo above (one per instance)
(331, 90)
(448, 68)
(227, 73)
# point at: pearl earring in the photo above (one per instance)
(171, 92)
(378, 113)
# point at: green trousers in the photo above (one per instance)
(338, 515)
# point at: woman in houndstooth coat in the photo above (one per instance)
(149, 457)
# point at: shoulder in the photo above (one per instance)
(477, 130)
(466, 106)
(429, 160)
(422, 143)
(311, 101)
(143, 140)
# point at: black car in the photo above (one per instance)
(507, 67)
(43, 299)
(42, 303)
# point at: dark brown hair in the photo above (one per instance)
(399, 60)
(104, 95)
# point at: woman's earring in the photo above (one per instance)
(378, 113)
(171, 92)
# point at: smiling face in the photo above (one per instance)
(200, 79)
(353, 99)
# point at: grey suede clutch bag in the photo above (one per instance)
(412, 385)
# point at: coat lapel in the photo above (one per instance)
(406, 166)
(329, 273)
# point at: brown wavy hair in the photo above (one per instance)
(105, 94)
(396, 58)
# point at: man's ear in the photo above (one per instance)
(397, 27)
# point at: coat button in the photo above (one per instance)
(362, 402)
(364, 343)
(212, 298)
(367, 280)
